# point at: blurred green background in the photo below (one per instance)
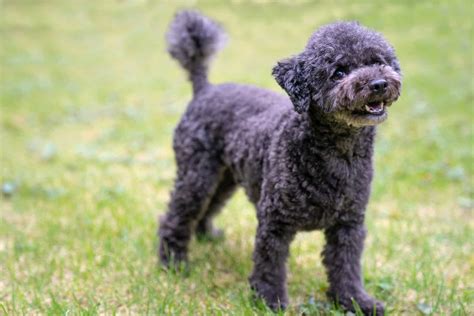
(89, 100)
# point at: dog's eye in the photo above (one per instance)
(339, 73)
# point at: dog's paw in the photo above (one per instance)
(275, 297)
(363, 302)
(172, 259)
(371, 307)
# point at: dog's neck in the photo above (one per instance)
(342, 138)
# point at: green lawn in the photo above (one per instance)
(89, 100)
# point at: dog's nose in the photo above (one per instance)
(378, 85)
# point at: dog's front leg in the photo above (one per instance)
(342, 254)
(268, 278)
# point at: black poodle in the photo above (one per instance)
(305, 161)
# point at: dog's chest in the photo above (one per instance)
(349, 183)
(328, 189)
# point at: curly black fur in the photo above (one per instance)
(305, 161)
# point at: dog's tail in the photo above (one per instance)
(193, 39)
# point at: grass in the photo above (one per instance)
(89, 99)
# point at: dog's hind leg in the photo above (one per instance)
(205, 229)
(197, 181)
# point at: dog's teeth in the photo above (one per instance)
(367, 108)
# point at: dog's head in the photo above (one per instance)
(347, 71)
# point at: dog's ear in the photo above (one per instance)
(292, 76)
(396, 65)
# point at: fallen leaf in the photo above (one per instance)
(424, 308)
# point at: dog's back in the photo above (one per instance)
(193, 40)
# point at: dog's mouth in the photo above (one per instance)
(371, 113)
(373, 108)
